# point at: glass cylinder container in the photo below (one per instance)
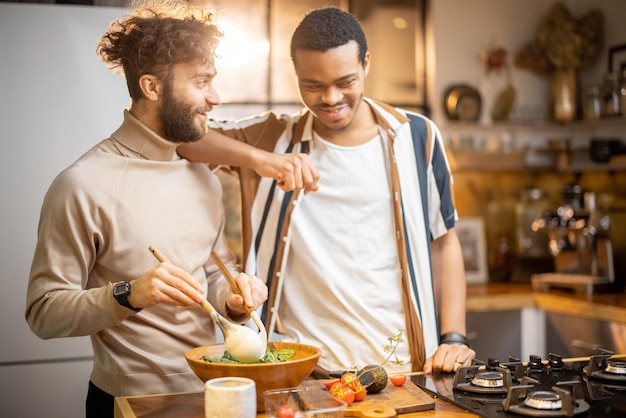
(563, 95)
(591, 103)
(500, 229)
(610, 96)
(531, 206)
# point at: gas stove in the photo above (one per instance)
(590, 387)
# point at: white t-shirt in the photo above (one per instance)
(349, 225)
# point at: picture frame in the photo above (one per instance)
(471, 233)
(617, 59)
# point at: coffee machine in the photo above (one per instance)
(579, 242)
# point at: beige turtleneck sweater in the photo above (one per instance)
(98, 218)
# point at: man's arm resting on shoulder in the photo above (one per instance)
(292, 171)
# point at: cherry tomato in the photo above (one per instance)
(359, 393)
(398, 380)
(343, 393)
(331, 382)
(350, 379)
(286, 411)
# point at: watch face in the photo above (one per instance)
(121, 289)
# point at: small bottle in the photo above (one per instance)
(591, 102)
(610, 96)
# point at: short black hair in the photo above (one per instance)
(327, 28)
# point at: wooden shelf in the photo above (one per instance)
(540, 125)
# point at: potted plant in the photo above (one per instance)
(563, 46)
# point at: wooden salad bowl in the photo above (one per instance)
(267, 376)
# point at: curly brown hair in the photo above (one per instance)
(155, 36)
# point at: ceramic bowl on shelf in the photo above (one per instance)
(462, 102)
(267, 376)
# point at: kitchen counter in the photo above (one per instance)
(598, 307)
(480, 299)
(610, 307)
(498, 297)
(191, 405)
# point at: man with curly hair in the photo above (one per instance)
(92, 273)
(374, 250)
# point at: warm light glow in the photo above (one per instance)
(400, 23)
(237, 48)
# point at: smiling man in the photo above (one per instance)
(92, 273)
(374, 250)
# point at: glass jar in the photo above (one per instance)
(591, 102)
(531, 206)
(500, 230)
(610, 96)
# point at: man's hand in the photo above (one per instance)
(292, 171)
(165, 283)
(448, 358)
(254, 293)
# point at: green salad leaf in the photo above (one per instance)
(271, 356)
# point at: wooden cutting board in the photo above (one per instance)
(392, 401)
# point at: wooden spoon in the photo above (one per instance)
(233, 284)
(241, 342)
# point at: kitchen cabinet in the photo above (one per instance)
(577, 325)
(503, 320)
(502, 334)
(513, 319)
(574, 336)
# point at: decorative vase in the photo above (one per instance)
(497, 94)
(564, 95)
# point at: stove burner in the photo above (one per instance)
(615, 367)
(488, 380)
(593, 387)
(543, 399)
(605, 368)
(556, 403)
(474, 379)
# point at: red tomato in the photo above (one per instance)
(350, 379)
(343, 393)
(398, 380)
(331, 382)
(286, 411)
(359, 393)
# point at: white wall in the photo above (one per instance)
(57, 99)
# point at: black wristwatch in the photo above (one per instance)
(121, 292)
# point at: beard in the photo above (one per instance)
(179, 119)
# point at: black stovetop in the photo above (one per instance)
(591, 396)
